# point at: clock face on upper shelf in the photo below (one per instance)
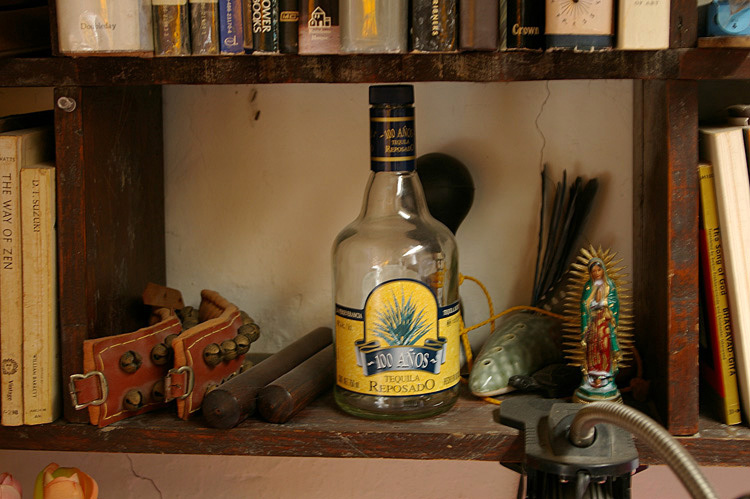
(580, 17)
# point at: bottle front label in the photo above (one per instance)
(401, 344)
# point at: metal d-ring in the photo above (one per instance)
(74, 392)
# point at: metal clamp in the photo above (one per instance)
(168, 382)
(74, 391)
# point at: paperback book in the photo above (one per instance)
(204, 27)
(724, 149)
(264, 22)
(319, 28)
(231, 39)
(105, 26)
(171, 27)
(717, 363)
(41, 362)
(289, 26)
(18, 149)
(434, 25)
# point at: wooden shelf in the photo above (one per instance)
(516, 65)
(94, 151)
(715, 64)
(469, 431)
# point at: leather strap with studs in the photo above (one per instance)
(124, 374)
(208, 353)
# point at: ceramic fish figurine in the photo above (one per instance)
(523, 342)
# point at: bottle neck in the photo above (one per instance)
(392, 141)
(394, 193)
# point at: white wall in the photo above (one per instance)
(254, 204)
(252, 208)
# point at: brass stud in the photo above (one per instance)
(133, 400)
(160, 354)
(130, 361)
(246, 319)
(251, 330)
(228, 350)
(157, 391)
(168, 339)
(243, 344)
(189, 317)
(246, 364)
(212, 354)
(185, 312)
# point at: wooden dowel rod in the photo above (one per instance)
(235, 400)
(280, 400)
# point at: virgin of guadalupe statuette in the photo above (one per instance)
(598, 324)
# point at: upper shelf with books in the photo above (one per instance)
(515, 65)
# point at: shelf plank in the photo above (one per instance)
(715, 64)
(469, 431)
(513, 65)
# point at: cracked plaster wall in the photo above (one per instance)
(147, 476)
(261, 178)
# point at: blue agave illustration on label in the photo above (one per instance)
(400, 322)
(401, 330)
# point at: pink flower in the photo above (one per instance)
(9, 487)
(54, 482)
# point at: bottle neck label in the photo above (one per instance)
(392, 145)
(401, 344)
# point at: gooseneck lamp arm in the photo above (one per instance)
(582, 434)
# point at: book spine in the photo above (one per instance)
(289, 26)
(478, 25)
(502, 21)
(11, 309)
(319, 28)
(105, 26)
(522, 24)
(643, 24)
(40, 340)
(265, 26)
(171, 27)
(204, 27)
(247, 26)
(726, 151)
(231, 40)
(434, 25)
(718, 365)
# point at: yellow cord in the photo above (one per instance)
(493, 317)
